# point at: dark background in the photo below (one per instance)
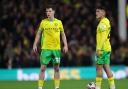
(19, 20)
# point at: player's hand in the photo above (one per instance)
(35, 49)
(65, 49)
(99, 53)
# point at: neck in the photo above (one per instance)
(102, 18)
(51, 18)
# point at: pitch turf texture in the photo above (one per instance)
(65, 84)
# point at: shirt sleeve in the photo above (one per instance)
(103, 27)
(61, 26)
(41, 26)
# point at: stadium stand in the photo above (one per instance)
(19, 21)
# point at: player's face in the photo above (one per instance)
(99, 13)
(50, 12)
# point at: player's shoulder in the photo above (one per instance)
(44, 20)
(58, 20)
(105, 20)
(104, 23)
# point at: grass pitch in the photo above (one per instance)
(65, 84)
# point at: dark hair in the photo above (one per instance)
(107, 14)
(51, 6)
(103, 8)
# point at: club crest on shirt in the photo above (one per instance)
(55, 24)
(103, 26)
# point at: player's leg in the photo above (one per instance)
(107, 69)
(110, 76)
(98, 76)
(99, 66)
(45, 57)
(56, 76)
(56, 63)
(41, 76)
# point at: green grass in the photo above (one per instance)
(65, 84)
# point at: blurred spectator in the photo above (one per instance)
(19, 20)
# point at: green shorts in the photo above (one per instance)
(47, 55)
(104, 58)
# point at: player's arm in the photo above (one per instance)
(103, 37)
(63, 36)
(37, 38)
(65, 49)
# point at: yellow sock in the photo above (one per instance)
(111, 83)
(40, 83)
(98, 82)
(57, 83)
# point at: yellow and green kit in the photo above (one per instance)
(50, 41)
(103, 41)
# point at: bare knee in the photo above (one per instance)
(108, 70)
(99, 70)
(56, 68)
(43, 68)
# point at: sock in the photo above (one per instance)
(98, 82)
(111, 83)
(40, 84)
(57, 83)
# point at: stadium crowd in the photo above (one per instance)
(19, 21)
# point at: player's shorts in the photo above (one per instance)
(104, 58)
(47, 55)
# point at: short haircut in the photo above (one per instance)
(51, 6)
(102, 8)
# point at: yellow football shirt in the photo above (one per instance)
(51, 34)
(103, 35)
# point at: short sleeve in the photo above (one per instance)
(103, 27)
(41, 26)
(61, 26)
